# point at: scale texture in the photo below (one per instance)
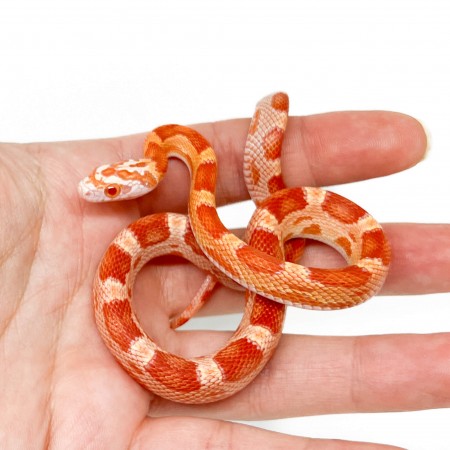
(263, 265)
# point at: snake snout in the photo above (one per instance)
(85, 191)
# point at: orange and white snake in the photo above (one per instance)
(259, 265)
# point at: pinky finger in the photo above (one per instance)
(195, 433)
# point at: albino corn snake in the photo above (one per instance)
(262, 266)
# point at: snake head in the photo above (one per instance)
(120, 181)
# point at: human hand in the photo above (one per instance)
(62, 386)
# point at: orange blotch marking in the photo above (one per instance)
(154, 152)
(375, 246)
(190, 240)
(266, 241)
(196, 139)
(349, 277)
(294, 249)
(232, 363)
(255, 175)
(205, 177)
(268, 314)
(280, 101)
(258, 261)
(345, 244)
(275, 184)
(161, 162)
(109, 171)
(119, 323)
(151, 230)
(139, 164)
(272, 144)
(313, 229)
(93, 179)
(127, 175)
(116, 264)
(301, 219)
(151, 147)
(137, 261)
(255, 122)
(342, 209)
(147, 178)
(174, 372)
(207, 215)
(281, 206)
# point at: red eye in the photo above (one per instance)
(112, 190)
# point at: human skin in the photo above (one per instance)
(61, 388)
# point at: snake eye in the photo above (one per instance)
(112, 190)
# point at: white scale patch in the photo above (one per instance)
(204, 198)
(274, 117)
(143, 350)
(177, 224)
(297, 271)
(315, 196)
(114, 290)
(258, 336)
(266, 220)
(141, 170)
(229, 240)
(114, 179)
(371, 264)
(208, 371)
(153, 137)
(208, 156)
(368, 223)
(127, 241)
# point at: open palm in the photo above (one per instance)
(59, 385)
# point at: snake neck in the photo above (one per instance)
(194, 150)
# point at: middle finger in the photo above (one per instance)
(329, 375)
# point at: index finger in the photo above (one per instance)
(322, 149)
(318, 150)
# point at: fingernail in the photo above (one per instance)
(429, 140)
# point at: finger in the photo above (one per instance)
(329, 375)
(420, 265)
(204, 433)
(318, 150)
(421, 259)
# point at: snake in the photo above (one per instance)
(263, 263)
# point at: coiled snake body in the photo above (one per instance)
(259, 266)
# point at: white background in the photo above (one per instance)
(79, 69)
